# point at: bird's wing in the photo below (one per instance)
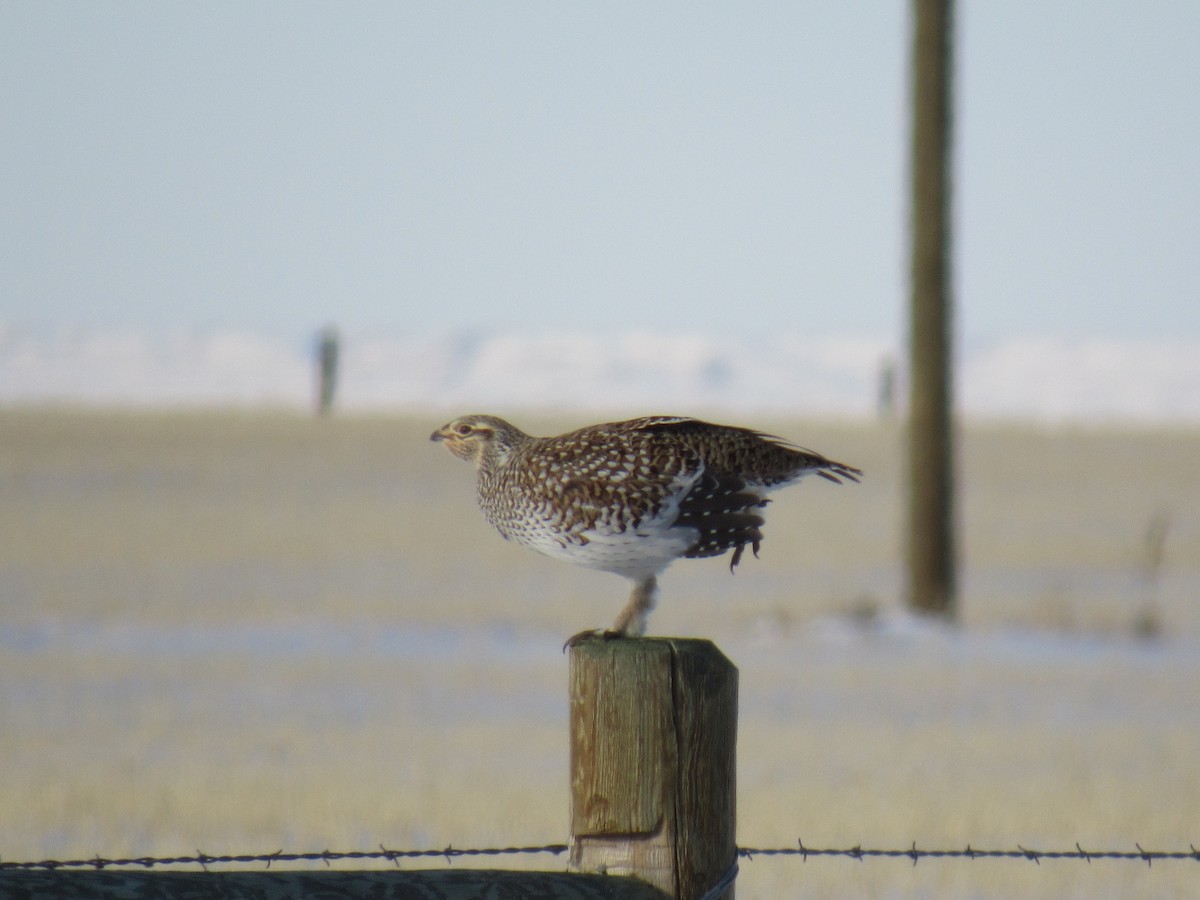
(614, 481)
(763, 459)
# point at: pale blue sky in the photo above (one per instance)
(732, 168)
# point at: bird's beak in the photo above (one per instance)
(439, 435)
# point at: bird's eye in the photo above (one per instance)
(464, 430)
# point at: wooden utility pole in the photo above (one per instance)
(653, 736)
(930, 530)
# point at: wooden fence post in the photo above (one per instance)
(653, 738)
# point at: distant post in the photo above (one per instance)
(930, 530)
(887, 388)
(653, 738)
(327, 368)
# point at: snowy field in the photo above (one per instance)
(1028, 379)
(247, 631)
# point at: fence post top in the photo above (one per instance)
(600, 646)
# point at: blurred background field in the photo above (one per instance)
(240, 632)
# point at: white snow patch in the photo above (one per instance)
(1046, 379)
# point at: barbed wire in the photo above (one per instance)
(451, 853)
(914, 853)
(327, 856)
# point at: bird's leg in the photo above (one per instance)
(632, 620)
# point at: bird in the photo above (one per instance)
(631, 497)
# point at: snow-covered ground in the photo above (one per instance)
(1047, 379)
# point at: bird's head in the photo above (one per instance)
(479, 439)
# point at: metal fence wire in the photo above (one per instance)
(450, 853)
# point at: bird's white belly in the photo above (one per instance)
(633, 554)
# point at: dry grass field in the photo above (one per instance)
(246, 632)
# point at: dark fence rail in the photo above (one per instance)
(439, 884)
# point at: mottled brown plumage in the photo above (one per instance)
(631, 497)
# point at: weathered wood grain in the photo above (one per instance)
(653, 740)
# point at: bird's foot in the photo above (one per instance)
(604, 634)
